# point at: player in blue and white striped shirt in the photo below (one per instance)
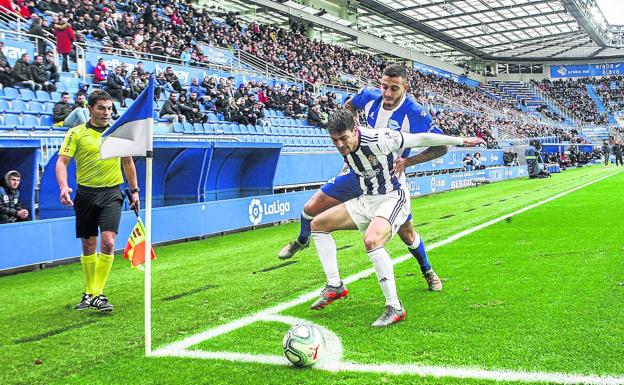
(379, 213)
(388, 107)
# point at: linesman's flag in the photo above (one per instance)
(135, 248)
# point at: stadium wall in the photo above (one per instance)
(54, 239)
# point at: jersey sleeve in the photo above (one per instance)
(421, 121)
(390, 140)
(364, 96)
(69, 144)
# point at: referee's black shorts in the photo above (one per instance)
(97, 208)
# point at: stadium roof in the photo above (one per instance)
(459, 30)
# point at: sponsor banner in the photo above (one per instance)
(582, 70)
(438, 183)
(426, 69)
(219, 56)
(455, 159)
(13, 49)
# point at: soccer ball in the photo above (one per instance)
(303, 344)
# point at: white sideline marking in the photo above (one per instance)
(179, 348)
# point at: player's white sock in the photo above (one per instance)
(385, 275)
(326, 249)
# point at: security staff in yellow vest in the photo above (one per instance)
(98, 201)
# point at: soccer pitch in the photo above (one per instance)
(538, 295)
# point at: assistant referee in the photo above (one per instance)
(98, 201)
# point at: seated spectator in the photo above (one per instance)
(468, 162)
(139, 68)
(39, 76)
(172, 79)
(135, 85)
(160, 85)
(21, 74)
(260, 117)
(116, 86)
(509, 157)
(171, 111)
(476, 160)
(314, 116)
(68, 114)
(197, 89)
(11, 209)
(100, 72)
(209, 104)
(196, 116)
(5, 68)
(51, 69)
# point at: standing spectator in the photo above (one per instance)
(38, 34)
(100, 72)
(39, 76)
(11, 209)
(606, 152)
(5, 68)
(21, 74)
(617, 151)
(171, 111)
(64, 40)
(185, 56)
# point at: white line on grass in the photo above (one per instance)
(179, 348)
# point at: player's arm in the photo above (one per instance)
(431, 140)
(61, 178)
(426, 155)
(128, 165)
(351, 108)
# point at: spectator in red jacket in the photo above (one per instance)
(64, 40)
(100, 72)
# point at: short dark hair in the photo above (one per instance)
(395, 71)
(96, 96)
(340, 121)
(64, 93)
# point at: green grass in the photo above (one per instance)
(542, 292)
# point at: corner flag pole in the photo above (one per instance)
(148, 251)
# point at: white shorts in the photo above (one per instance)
(395, 207)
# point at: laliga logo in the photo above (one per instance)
(255, 212)
(257, 209)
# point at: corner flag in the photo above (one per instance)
(131, 134)
(135, 248)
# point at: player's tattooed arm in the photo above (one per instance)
(426, 155)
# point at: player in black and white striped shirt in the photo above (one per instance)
(378, 213)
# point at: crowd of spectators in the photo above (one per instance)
(611, 91)
(40, 73)
(573, 95)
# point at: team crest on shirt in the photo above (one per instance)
(393, 124)
(372, 159)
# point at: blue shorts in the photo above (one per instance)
(345, 186)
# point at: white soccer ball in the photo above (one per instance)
(303, 344)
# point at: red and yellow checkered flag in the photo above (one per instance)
(135, 248)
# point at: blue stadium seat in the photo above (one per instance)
(49, 108)
(10, 122)
(55, 96)
(236, 130)
(227, 128)
(178, 128)
(270, 113)
(188, 128)
(243, 129)
(27, 94)
(35, 108)
(198, 128)
(212, 117)
(61, 87)
(43, 96)
(279, 114)
(209, 129)
(10, 93)
(128, 102)
(47, 123)
(30, 122)
(17, 107)
(4, 105)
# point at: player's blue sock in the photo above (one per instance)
(421, 255)
(305, 229)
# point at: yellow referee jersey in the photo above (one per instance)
(83, 144)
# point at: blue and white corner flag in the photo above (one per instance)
(132, 133)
